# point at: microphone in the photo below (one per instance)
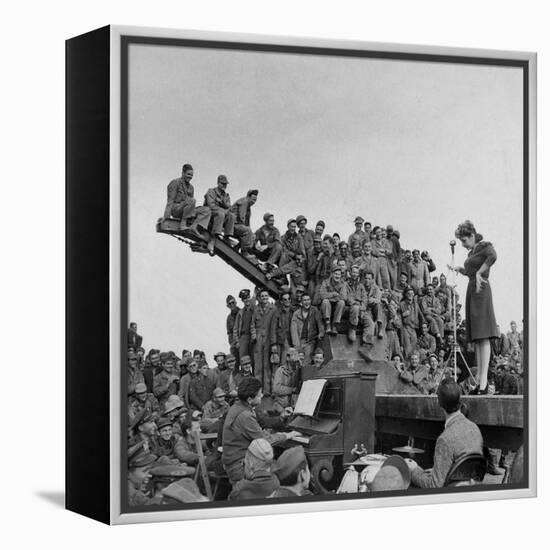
(452, 245)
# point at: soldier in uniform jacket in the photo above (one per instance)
(139, 467)
(219, 203)
(306, 234)
(292, 242)
(165, 383)
(241, 211)
(143, 400)
(201, 388)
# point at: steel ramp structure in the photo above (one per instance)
(198, 242)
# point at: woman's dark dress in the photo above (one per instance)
(480, 315)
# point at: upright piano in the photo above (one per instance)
(343, 419)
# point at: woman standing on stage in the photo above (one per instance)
(480, 316)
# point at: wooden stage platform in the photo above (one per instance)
(500, 418)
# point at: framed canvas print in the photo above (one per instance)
(300, 274)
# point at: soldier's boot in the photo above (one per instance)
(210, 246)
(351, 333)
(365, 353)
(231, 241)
(380, 329)
(492, 463)
(328, 328)
(333, 329)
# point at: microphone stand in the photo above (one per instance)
(453, 312)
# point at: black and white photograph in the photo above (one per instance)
(281, 279)
(325, 273)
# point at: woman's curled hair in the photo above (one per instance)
(467, 229)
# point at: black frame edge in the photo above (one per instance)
(87, 452)
(126, 40)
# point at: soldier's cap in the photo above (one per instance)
(141, 417)
(432, 355)
(171, 471)
(229, 299)
(141, 388)
(218, 392)
(229, 357)
(289, 462)
(267, 215)
(163, 356)
(394, 475)
(184, 490)
(388, 479)
(300, 288)
(396, 233)
(320, 222)
(262, 449)
(141, 459)
(358, 219)
(222, 179)
(172, 403)
(132, 355)
(300, 218)
(251, 192)
(317, 238)
(196, 415)
(219, 354)
(163, 422)
(245, 360)
(292, 220)
(389, 228)
(244, 293)
(291, 350)
(284, 288)
(336, 268)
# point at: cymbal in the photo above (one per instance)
(408, 449)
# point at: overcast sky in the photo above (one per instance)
(422, 146)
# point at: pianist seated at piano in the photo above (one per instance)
(293, 472)
(241, 427)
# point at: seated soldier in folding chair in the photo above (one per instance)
(461, 437)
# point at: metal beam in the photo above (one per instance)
(198, 243)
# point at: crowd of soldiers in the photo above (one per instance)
(171, 397)
(367, 287)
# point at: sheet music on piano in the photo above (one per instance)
(309, 396)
